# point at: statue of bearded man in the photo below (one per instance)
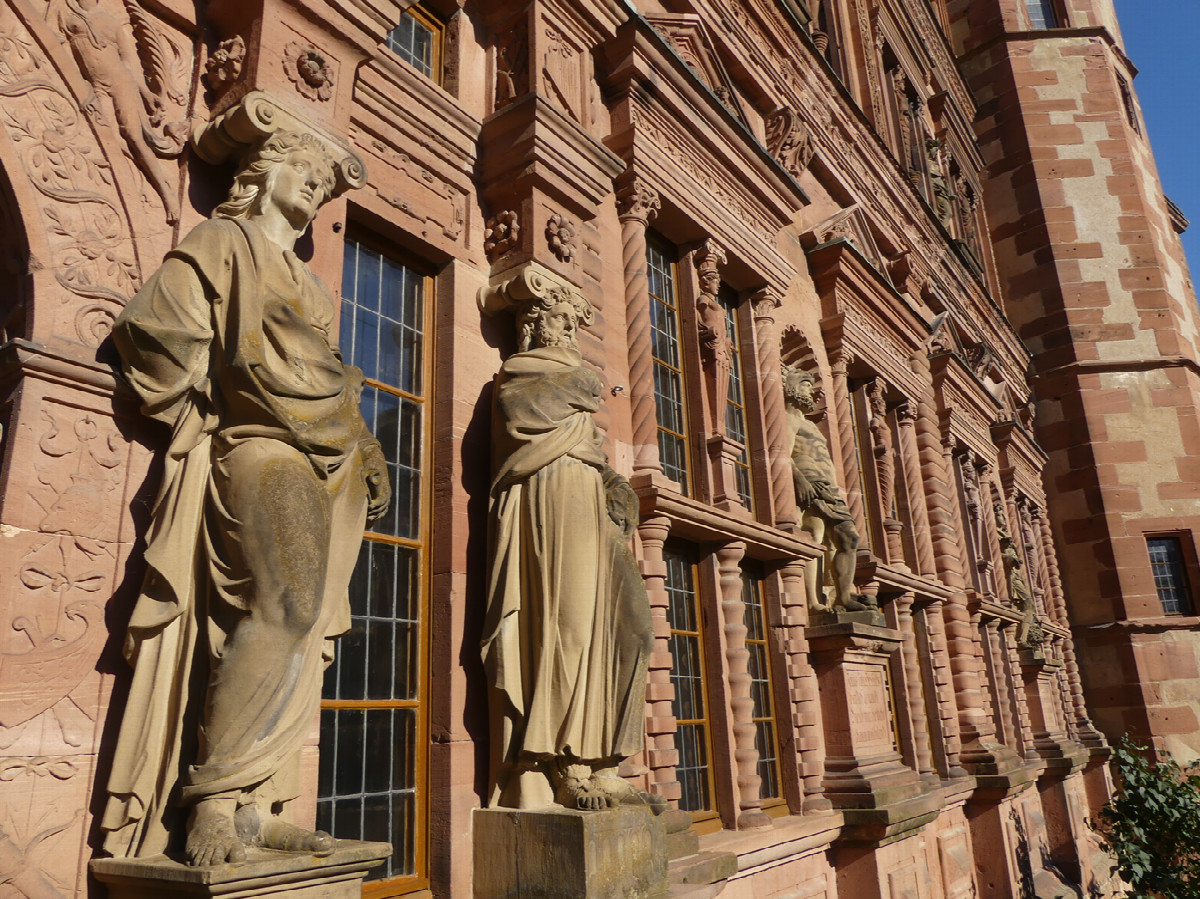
(268, 479)
(568, 633)
(825, 515)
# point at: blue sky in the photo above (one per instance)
(1162, 38)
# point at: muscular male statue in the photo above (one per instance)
(268, 479)
(825, 515)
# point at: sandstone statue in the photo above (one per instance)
(825, 515)
(567, 634)
(269, 478)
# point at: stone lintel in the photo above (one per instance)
(569, 854)
(266, 872)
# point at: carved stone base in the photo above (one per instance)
(558, 852)
(264, 873)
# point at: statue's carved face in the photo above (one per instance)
(801, 391)
(557, 325)
(299, 187)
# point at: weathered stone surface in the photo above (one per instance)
(264, 873)
(568, 854)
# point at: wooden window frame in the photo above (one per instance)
(437, 30)
(405, 884)
(670, 254)
(704, 820)
(732, 305)
(754, 579)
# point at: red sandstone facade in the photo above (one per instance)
(914, 202)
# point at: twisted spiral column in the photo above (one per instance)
(737, 658)
(840, 361)
(906, 416)
(637, 205)
(1085, 730)
(779, 453)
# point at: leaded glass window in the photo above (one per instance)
(735, 404)
(1042, 14)
(373, 748)
(417, 40)
(1170, 575)
(668, 365)
(690, 703)
(759, 665)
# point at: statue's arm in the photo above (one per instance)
(163, 336)
(620, 500)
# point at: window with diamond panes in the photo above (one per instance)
(417, 39)
(690, 704)
(373, 723)
(759, 665)
(735, 404)
(1170, 574)
(668, 364)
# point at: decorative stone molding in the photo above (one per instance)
(532, 281)
(502, 234)
(224, 66)
(308, 69)
(258, 115)
(561, 236)
(789, 140)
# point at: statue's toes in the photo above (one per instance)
(290, 838)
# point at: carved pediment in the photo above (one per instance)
(691, 40)
(849, 224)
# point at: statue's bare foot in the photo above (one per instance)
(619, 790)
(859, 602)
(211, 838)
(278, 834)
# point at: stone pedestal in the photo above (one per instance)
(264, 873)
(881, 798)
(558, 853)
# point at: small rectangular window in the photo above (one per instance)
(1170, 574)
(1042, 14)
(417, 39)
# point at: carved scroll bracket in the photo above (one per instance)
(259, 115)
(516, 288)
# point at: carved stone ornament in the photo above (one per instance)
(502, 234)
(789, 140)
(224, 66)
(576, 584)
(255, 118)
(308, 69)
(714, 338)
(637, 200)
(825, 516)
(249, 612)
(137, 76)
(561, 237)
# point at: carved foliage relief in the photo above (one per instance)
(126, 84)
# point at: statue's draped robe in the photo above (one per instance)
(228, 344)
(568, 630)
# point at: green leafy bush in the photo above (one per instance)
(1151, 826)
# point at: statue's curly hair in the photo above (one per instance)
(258, 171)
(530, 312)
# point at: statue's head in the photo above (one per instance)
(799, 388)
(293, 171)
(553, 320)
